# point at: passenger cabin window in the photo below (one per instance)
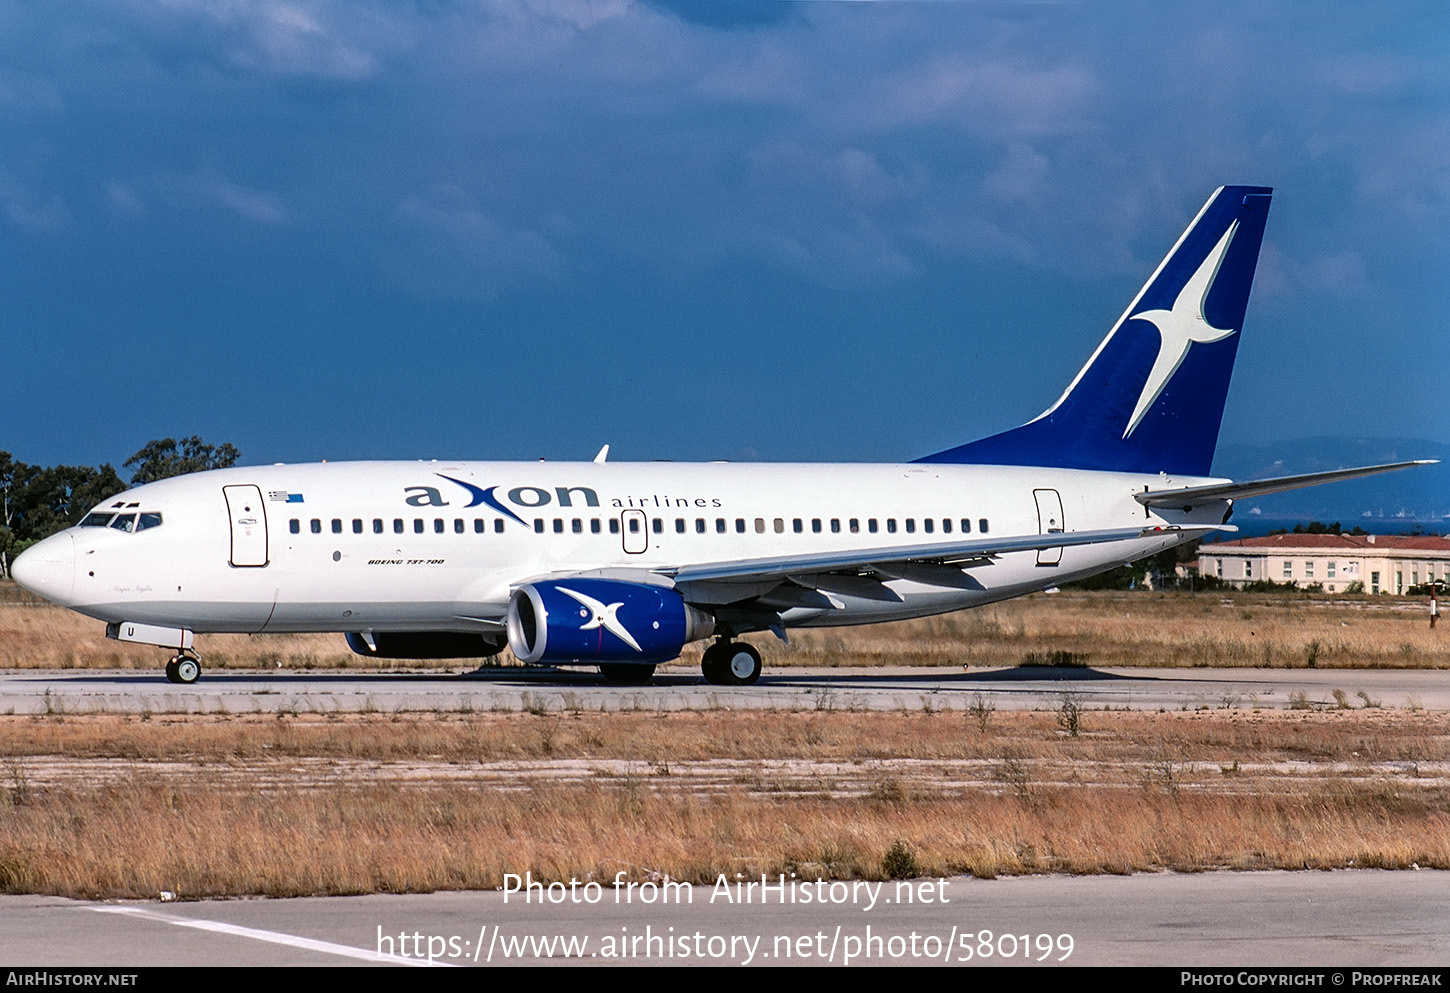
(911, 525)
(577, 526)
(457, 525)
(699, 525)
(397, 525)
(890, 525)
(815, 525)
(719, 525)
(417, 525)
(966, 525)
(871, 525)
(498, 526)
(295, 526)
(835, 525)
(377, 525)
(659, 525)
(679, 525)
(798, 526)
(855, 525)
(438, 526)
(594, 526)
(613, 525)
(316, 526)
(982, 525)
(538, 525)
(357, 525)
(926, 525)
(558, 525)
(337, 525)
(478, 525)
(739, 525)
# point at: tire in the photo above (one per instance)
(171, 672)
(188, 670)
(713, 666)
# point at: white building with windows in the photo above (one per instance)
(1382, 563)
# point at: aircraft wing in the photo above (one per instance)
(1184, 498)
(937, 563)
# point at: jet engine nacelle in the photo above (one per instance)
(601, 620)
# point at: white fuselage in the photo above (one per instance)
(438, 546)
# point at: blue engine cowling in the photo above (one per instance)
(601, 620)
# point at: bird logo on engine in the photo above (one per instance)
(598, 614)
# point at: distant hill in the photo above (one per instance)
(1393, 502)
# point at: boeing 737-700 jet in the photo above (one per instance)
(620, 565)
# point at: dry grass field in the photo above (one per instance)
(1101, 629)
(106, 806)
(109, 806)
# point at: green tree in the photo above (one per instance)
(8, 470)
(161, 459)
(36, 501)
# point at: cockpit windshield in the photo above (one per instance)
(140, 521)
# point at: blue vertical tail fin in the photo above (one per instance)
(1151, 398)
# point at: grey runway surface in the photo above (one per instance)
(1327, 919)
(681, 688)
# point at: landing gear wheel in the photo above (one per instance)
(185, 669)
(730, 663)
(742, 664)
(713, 665)
(624, 674)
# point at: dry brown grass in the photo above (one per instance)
(113, 806)
(1146, 629)
(1100, 629)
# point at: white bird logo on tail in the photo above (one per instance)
(604, 616)
(1181, 328)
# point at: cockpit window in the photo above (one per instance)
(124, 522)
(97, 520)
(148, 520)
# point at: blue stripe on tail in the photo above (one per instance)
(1151, 397)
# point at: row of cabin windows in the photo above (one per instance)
(440, 526)
(577, 525)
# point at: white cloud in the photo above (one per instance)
(451, 245)
(29, 211)
(321, 38)
(206, 188)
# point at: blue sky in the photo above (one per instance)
(741, 230)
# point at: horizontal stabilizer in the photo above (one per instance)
(1187, 497)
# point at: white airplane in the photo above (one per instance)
(621, 565)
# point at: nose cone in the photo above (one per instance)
(48, 568)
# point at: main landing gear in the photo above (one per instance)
(731, 663)
(185, 667)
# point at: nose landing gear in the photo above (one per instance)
(731, 663)
(184, 668)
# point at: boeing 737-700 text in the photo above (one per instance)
(620, 565)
